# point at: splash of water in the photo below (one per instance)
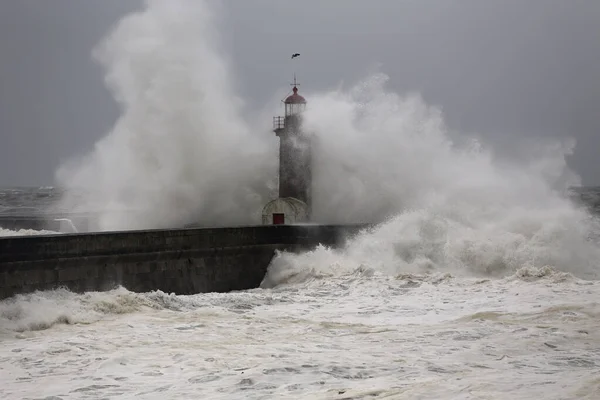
(447, 207)
(41, 310)
(180, 152)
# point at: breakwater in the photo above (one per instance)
(182, 261)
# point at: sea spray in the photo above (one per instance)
(445, 207)
(179, 153)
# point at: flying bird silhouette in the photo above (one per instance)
(295, 55)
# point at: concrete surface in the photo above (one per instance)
(182, 261)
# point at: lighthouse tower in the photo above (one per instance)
(295, 165)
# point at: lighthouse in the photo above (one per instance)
(295, 165)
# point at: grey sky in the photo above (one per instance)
(502, 68)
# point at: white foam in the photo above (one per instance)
(41, 310)
(429, 242)
(25, 232)
(414, 336)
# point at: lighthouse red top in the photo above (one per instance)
(295, 98)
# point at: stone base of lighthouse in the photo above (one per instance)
(288, 210)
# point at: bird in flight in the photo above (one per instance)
(295, 55)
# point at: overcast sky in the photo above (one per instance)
(501, 68)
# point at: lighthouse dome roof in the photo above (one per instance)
(295, 98)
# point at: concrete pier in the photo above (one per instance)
(182, 261)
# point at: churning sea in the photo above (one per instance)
(414, 309)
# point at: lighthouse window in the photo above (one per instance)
(293, 109)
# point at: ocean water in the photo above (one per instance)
(360, 336)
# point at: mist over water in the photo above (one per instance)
(181, 152)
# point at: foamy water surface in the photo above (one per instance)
(362, 335)
(25, 232)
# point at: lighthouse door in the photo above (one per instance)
(278, 218)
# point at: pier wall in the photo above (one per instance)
(182, 261)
